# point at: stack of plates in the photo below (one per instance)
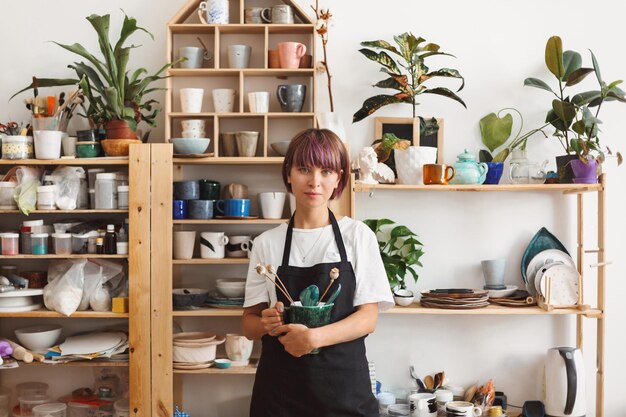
(93, 345)
(455, 300)
(215, 299)
(519, 298)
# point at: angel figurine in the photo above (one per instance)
(370, 170)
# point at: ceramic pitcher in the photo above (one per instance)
(468, 171)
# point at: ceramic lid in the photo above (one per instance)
(466, 156)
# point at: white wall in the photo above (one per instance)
(497, 45)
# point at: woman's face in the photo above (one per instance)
(312, 186)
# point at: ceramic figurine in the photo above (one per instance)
(370, 170)
(468, 171)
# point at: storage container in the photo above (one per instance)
(62, 243)
(75, 409)
(106, 191)
(82, 199)
(36, 226)
(92, 199)
(46, 197)
(28, 402)
(80, 243)
(31, 388)
(50, 410)
(7, 202)
(91, 176)
(122, 197)
(39, 242)
(122, 408)
(17, 147)
(10, 243)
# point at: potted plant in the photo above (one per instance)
(571, 115)
(116, 97)
(495, 132)
(401, 253)
(408, 73)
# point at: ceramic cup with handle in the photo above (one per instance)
(290, 54)
(239, 246)
(234, 207)
(423, 405)
(238, 347)
(291, 97)
(184, 242)
(212, 245)
(191, 99)
(224, 100)
(462, 409)
(195, 56)
(278, 14)
(214, 12)
(437, 174)
(272, 204)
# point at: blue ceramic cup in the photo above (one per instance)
(234, 207)
(200, 209)
(186, 190)
(179, 209)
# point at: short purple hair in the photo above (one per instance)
(319, 148)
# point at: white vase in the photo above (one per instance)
(331, 121)
(410, 163)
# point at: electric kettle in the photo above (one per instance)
(564, 383)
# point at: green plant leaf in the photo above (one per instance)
(564, 110)
(443, 72)
(80, 50)
(382, 58)
(49, 82)
(577, 76)
(408, 44)
(84, 70)
(401, 231)
(101, 24)
(442, 91)
(399, 83)
(554, 56)
(484, 156)
(381, 44)
(579, 127)
(495, 131)
(502, 155)
(412, 241)
(596, 67)
(537, 83)
(374, 103)
(585, 98)
(555, 121)
(572, 61)
(619, 97)
(614, 84)
(128, 28)
(428, 127)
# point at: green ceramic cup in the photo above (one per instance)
(310, 316)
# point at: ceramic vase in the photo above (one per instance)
(494, 173)
(410, 163)
(585, 173)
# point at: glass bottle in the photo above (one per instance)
(110, 240)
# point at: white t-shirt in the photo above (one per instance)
(318, 246)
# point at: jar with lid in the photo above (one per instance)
(106, 191)
(17, 147)
(10, 243)
(28, 402)
(82, 199)
(31, 388)
(48, 180)
(39, 243)
(122, 197)
(62, 243)
(50, 410)
(36, 226)
(122, 242)
(91, 176)
(46, 197)
(7, 189)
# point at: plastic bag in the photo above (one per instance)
(68, 185)
(26, 191)
(98, 272)
(65, 285)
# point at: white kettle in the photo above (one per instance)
(564, 383)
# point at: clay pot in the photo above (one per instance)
(119, 129)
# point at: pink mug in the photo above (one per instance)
(290, 54)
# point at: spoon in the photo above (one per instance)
(310, 296)
(417, 379)
(428, 381)
(334, 295)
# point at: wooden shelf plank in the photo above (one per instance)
(233, 370)
(36, 212)
(566, 188)
(233, 221)
(241, 115)
(238, 28)
(233, 72)
(209, 312)
(53, 256)
(68, 161)
(416, 308)
(223, 261)
(259, 160)
(90, 364)
(78, 314)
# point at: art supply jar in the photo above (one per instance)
(7, 202)
(91, 176)
(122, 197)
(50, 410)
(10, 243)
(46, 197)
(122, 408)
(17, 147)
(36, 226)
(62, 243)
(28, 402)
(39, 243)
(106, 191)
(82, 199)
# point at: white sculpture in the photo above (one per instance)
(370, 170)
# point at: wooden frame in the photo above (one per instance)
(409, 128)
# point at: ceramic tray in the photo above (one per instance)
(194, 155)
(509, 290)
(192, 365)
(542, 241)
(474, 294)
(454, 307)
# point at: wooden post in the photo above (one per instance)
(580, 258)
(601, 299)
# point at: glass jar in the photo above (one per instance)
(7, 202)
(62, 243)
(50, 410)
(82, 199)
(91, 176)
(25, 243)
(122, 197)
(10, 243)
(28, 402)
(39, 243)
(106, 191)
(46, 197)
(17, 147)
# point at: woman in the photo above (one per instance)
(290, 382)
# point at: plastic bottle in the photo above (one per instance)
(110, 240)
(122, 242)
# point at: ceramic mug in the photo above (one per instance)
(291, 97)
(179, 209)
(195, 56)
(273, 58)
(239, 56)
(493, 271)
(290, 54)
(246, 143)
(212, 245)
(210, 190)
(193, 125)
(272, 204)
(259, 101)
(235, 190)
(437, 174)
(229, 144)
(462, 409)
(200, 209)
(191, 100)
(47, 144)
(280, 13)
(184, 242)
(186, 190)
(235, 207)
(423, 405)
(306, 60)
(69, 145)
(253, 15)
(239, 246)
(238, 347)
(224, 100)
(214, 12)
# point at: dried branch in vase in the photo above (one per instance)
(322, 23)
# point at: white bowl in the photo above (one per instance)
(403, 298)
(231, 292)
(38, 338)
(231, 281)
(200, 353)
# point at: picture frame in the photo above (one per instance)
(409, 128)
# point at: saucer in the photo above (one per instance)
(508, 290)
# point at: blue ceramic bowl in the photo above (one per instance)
(189, 146)
(222, 363)
(88, 149)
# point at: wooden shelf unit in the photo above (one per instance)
(79, 364)
(233, 370)
(67, 161)
(257, 160)
(564, 188)
(230, 221)
(78, 211)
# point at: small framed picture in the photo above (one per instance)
(409, 128)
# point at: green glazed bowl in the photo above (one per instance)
(310, 316)
(88, 149)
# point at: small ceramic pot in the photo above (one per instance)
(188, 297)
(403, 297)
(494, 173)
(310, 316)
(186, 190)
(88, 149)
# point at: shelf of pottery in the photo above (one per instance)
(64, 287)
(248, 81)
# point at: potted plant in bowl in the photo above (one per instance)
(117, 98)
(575, 116)
(401, 253)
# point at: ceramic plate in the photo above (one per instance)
(237, 217)
(542, 241)
(21, 309)
(564, 288)
(192, 365)
(535, 283)
(454, 307)
(540, 260)
(194, 155)
(510, 289)
(22, 293)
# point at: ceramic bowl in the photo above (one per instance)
(222, 363)
(189, 297)
(196, 353)
(88, 149)
(231, 282)
(281, 147)
(403, 298)
(189, 146)
(118, 147)
(231, 292)
(38, 338)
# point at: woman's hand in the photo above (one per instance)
(297, 339)
(272, 318)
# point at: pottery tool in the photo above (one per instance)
(429, 382)
(334, 274)
(50, 105)
(310, 296)
(20, 352)
(334, 295)
(418, 381)
(439, 378)
(202, 43)
(261, 270)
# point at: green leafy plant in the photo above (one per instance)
(495, 132)
(407, 73)
(399, 249)
(112, 91)
(576, 125)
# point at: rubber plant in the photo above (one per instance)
(571, 115)
(112, 91)
(405, 65)
(399, 250)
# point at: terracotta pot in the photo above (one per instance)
(119, 129)
(118, 147)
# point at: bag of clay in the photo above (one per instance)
(25, 194)
(65, 285)
(68, 185)
(98, 272)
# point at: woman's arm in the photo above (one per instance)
(300, 340)
(259, 320)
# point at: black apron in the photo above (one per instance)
(332, 383)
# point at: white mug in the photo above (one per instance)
(272, 204)
(239, 246)
(191, 99)
(195, 56)
(224, 100)
(238, 347)
(184, 242)
(215, 12)
(193, 124)
(212, 245)
(239, 56)
(463, 409)
(259, 102)
(423, 405)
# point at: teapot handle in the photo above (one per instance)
(483, 167)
